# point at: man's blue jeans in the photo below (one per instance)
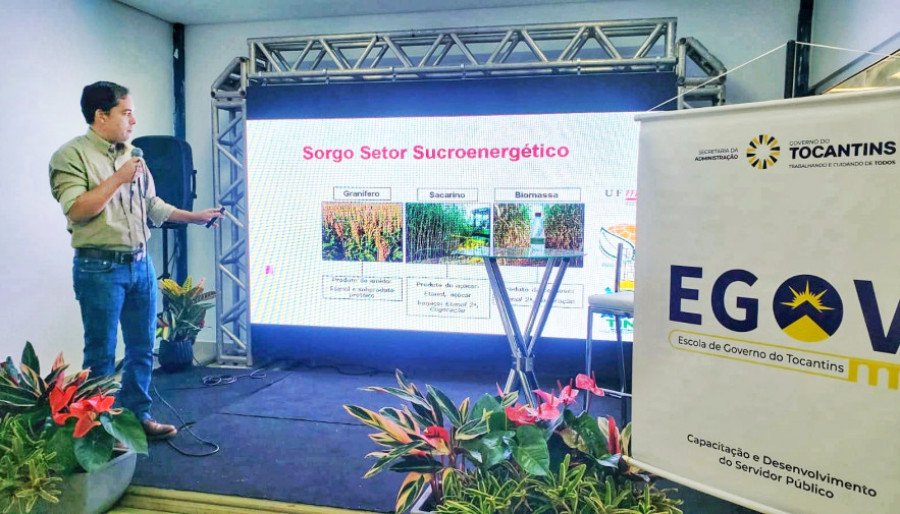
(108, 293)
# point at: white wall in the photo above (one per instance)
(52, 49)
(855, 24)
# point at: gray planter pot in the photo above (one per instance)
(94, 492)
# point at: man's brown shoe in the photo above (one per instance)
(158, 431)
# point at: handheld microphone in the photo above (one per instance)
(137, 152)
(210, 222)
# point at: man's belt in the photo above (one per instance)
(109, 255)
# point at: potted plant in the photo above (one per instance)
(499, 456)
(183, 315)
(64, 447)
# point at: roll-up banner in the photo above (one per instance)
(766, 363)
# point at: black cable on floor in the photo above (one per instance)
(226, 378)
(186, 426)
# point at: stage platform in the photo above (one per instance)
(284, 437)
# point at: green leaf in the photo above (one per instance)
(420, 463)
(495, 448)
(30, 380)
(125, 427)
(402, 381)
(625, 436)
(424, 416)
(30, 358)
(610, 461)
(399, 393)
(590, 433)
(51, 377)
(435, 410)
(37, 416)
(473, 451)
(104, 385)
(486, 403)
(15, 397)
(559, 450)
(400, 417)
(464, 411)
(499, 421)
(391, 456)
(509, 398)
(409, 493)
(471, 429)
(445, 405)
(94, 449)
(63, 444)
(531, 451)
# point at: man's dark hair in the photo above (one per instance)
(100, 95)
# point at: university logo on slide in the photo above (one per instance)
(808, 308)
(763, 151)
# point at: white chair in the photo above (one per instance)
(620, 305)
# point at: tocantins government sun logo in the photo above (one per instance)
(808, 308)
(763, 151)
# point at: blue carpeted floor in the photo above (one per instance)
(285, 436)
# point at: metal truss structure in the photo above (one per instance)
(623, 46)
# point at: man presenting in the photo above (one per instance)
(108, 196)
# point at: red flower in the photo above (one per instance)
(548, 411)
(438, 438)
(614, 442)
(567, 395)
(59, 400)
(548, 398)
(521, 415)
(85, 411)
(587, 383)
(434, 434)
(100, 403)
(86, 419)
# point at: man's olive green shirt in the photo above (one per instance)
(82, 164)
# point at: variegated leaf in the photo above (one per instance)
(427, 415)
(419, 463)
(386, 458)
(626, 439)
(410, 490)
(464, 411)
(399, 393)
(472, 429)
(404, 384)
(30, 359)
(16, 397)
(509, 399)
(376, 420)
(445, 405)
(383, 439)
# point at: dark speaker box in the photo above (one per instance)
(172, 164)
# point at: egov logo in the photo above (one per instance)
(808, 308)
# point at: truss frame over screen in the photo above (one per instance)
(482, 53)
